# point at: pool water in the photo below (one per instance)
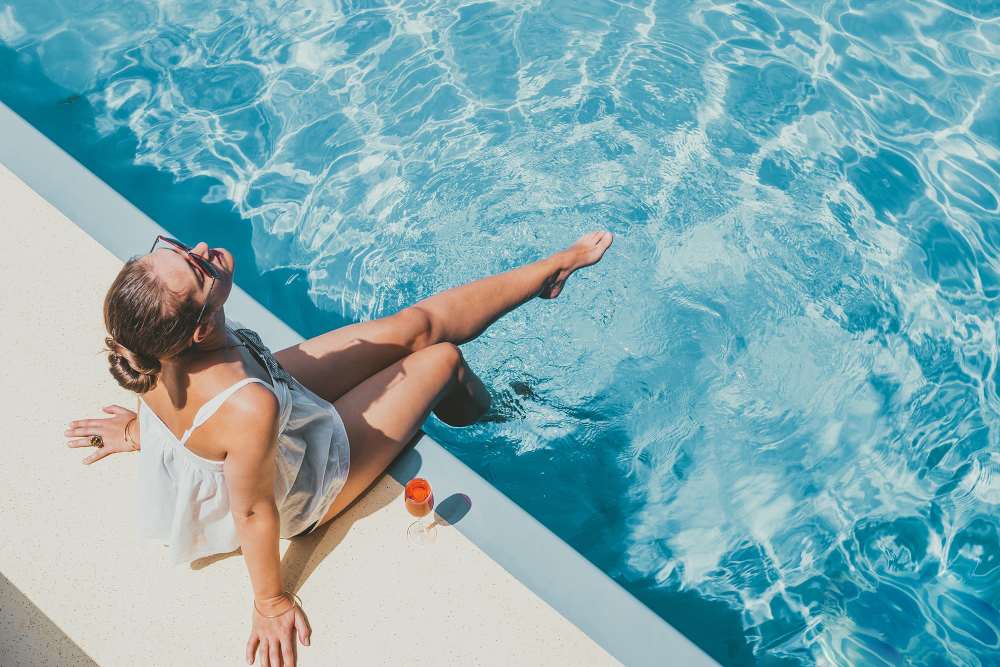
(771, 412)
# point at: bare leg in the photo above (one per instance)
(462, 313)
(383, 413)
(336, 361)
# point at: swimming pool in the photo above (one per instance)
(770, 412)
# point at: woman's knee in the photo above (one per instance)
(446, 355)
(417, 327)
(440, 364)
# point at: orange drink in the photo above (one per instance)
(419, 501)
(418, 497)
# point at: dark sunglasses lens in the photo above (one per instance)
(175, 242)
(205, 266)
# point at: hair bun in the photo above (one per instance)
(128, 370)
(145, 322)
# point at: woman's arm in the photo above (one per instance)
(249, 471)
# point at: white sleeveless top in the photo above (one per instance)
(184, 501)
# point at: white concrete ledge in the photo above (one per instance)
(372, 599)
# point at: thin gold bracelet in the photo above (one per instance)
(135, 445)
(283, 593)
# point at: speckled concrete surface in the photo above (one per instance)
(77, 585)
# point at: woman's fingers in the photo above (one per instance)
(81, 442)
(302, 625)
(96, 456)
(85, 432)
(86, 423)
(85, 427)
(115, 410)
(288, 651)
(273, 650)
(252, 648)
(265, 659)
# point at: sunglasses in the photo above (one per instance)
(203, 264)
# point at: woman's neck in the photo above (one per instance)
(217, 339)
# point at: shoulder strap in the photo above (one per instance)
(213, 404)
(263, 355)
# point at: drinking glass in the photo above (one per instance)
(419, 501)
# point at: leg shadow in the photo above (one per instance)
(305, 553)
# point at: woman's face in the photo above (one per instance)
(182, 275)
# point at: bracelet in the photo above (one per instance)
(126, 438)
(283, 593)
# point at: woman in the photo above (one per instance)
(241, 447)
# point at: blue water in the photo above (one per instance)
(772, 411)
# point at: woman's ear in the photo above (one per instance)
(198, 335)
(212, 323)
(204, 329)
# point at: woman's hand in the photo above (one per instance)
(111, 429)
(276, 636)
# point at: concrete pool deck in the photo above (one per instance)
(78, 587)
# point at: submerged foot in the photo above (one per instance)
(588, 250)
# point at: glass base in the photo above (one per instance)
(421, 532)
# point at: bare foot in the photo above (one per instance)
(588, 250)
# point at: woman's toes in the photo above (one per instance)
(588, 250)
(601, 243)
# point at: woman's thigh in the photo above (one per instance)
(383, 413)
(333, 363)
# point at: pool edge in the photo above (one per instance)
(538, 558)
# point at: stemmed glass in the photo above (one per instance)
(419, 501)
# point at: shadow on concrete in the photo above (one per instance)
(306, 553)
(29, 637)
(452, 509)
(406, 466)
(202, 563)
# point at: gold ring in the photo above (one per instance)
(96, 441)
